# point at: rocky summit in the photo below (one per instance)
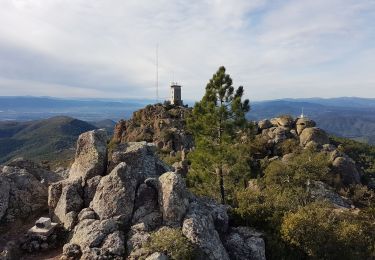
(111, 214)
(112, 201)
(274, 134)
(163, 125)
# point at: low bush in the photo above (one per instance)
(171, 242)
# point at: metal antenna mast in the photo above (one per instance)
(157, 73)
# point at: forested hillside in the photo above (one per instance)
(51, 140)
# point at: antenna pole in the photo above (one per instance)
(157, 73)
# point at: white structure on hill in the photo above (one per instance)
(176, 95)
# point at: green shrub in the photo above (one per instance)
(289, 146)
(171, 242)
(325, 233)
(170, 160)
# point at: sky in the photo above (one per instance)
(107, 48)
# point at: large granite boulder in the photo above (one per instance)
(21, 194)
(173, 198)
(199, 228)
(264, 124)
(315, 135)
(69, 204)
(284, 121)
(91, 155)
(303, 123)
(347, 170)
(116, 192)
(245, 243)
(141, 156)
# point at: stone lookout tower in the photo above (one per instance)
(176, 95)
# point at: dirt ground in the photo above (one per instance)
(16, 230)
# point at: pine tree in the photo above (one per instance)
(215, 123)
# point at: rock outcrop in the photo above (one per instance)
(141, 156)
(313, 134)
(159, 124)
(302, 123)
(115, 194)
(40, 173)
(108, 209)
(173, 198)
(199, 228)
(303, 131)
(21, 194)
(67, 197)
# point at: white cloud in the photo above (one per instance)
(107, 47)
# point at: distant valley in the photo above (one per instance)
(51, 140)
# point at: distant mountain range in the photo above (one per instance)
(41, 128)
(32, 108)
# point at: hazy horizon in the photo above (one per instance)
(105, 49)
(114, 99)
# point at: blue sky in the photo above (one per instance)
(106, 48)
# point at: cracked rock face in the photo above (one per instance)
(21, 194)
(173, 198)
(91, 155)
(199, 228)
(116, 192)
